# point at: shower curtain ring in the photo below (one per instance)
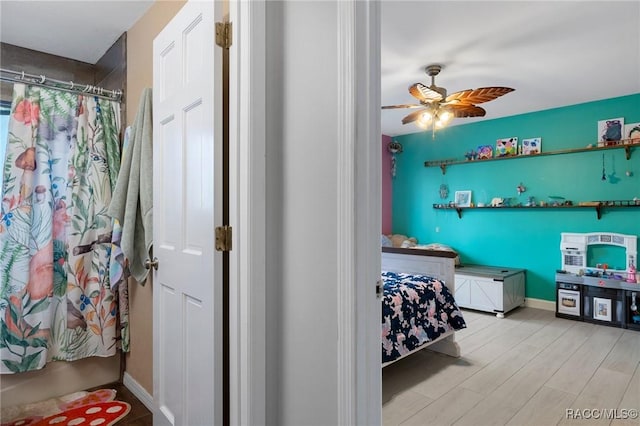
(71, 84)
(42, 79)
(22, 78)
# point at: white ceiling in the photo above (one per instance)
(80, 30)
(554, 53)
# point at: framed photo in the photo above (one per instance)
(507, 147)
(485, 151)
(632, 133)
(463, 199)
(531, 146)
(610, 131)
(602, 309)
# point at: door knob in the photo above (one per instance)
(151, 263)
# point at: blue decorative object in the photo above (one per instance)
(444, 191)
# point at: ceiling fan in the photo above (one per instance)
(436, 108)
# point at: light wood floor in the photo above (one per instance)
(526, 369)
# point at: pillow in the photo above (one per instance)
(385, 241)
(411, 242)
(398, 239)
(437, 246)
(441, 247)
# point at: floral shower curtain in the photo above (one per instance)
(61, 165)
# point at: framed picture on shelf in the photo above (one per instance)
(632, 133)
(602, 309)
(463, 199)
(507, 147)
(484, 151)
(610, 131)
(531, 146)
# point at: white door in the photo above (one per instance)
(187, 198)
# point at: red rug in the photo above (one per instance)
(100, 413)
(81, 408)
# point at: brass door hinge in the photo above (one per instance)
(223, 238)
(223, 34)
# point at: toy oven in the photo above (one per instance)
(574, 249)
(568, 301)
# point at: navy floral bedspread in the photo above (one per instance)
(415, 309)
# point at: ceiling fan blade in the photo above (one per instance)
(402, 106)
(478, 96)
(424, 93)
(466, 110)
(413, 116)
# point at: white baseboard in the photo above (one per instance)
(547, 305)
(140, 392)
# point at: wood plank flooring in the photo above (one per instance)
(526, 369)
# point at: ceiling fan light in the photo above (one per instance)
(425, 117)
(422, 124)
(445, 116)
(439, 123)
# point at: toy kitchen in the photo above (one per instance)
(599, 282)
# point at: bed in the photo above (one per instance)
(418, 308)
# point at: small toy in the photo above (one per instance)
(470, 155)
(631, 273)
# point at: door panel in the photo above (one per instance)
(187, 207)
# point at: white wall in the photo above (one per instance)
(301, 91)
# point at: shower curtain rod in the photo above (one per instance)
(69, 86)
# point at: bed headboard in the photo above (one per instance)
(435, 263)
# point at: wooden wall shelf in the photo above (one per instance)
(598, 208)
(626, 145)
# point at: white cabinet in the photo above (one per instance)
(489, 288)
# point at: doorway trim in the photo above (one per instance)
(247, 213)
(359, 193)
(359, 374)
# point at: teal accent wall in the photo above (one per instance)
(518, 238)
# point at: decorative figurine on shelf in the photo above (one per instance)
(497, 202)
(631, 273)
(521, 188)
(531, 202)
(470, 155)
